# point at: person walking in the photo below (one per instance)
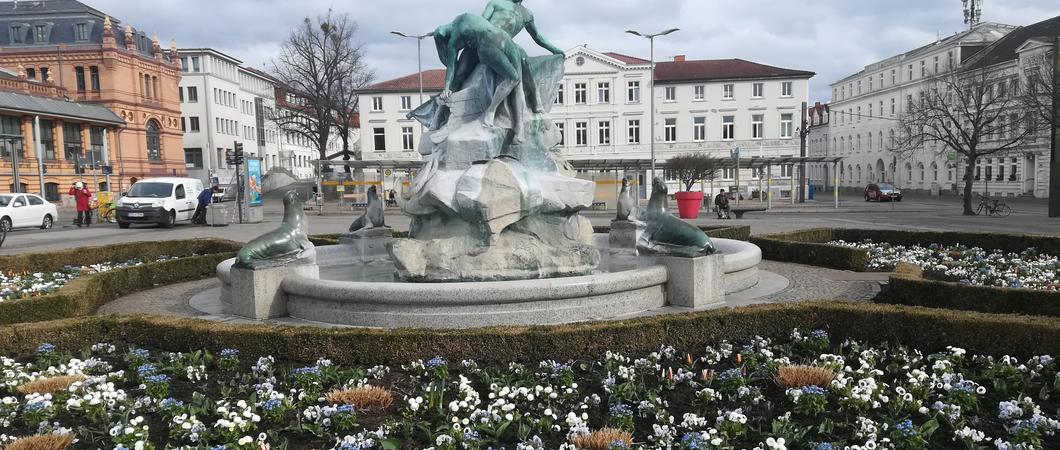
(205, 199)
(82, 198)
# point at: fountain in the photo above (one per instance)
(496, 236)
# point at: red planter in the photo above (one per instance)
(688, 204)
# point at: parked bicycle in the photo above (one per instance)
(992, 207)
(103, 209)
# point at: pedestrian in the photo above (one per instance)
(721, 205)
(393, 198)
(205, 199)
(82, 199)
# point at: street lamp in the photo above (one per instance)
(651, 90)
(419, 58)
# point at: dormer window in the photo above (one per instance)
(81, 31)
(16, 35)
(41, 34)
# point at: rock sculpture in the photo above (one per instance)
(627, 203)
(493, 200)
(666, 234)
(373, 216)
(285, 245)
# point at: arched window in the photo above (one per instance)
(920, 168)
(858, 169)
(934, 171)
(908, 172)
(154, 141)
(881, 141)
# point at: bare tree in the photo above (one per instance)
(1040, 89)
(692, 168)
(346, 102)
(315, 60)
(974, 114)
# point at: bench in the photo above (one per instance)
(599, 205)
(356, 205)
(741, 211)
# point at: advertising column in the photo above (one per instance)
(253, 198)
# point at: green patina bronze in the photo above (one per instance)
(668, 235)
(285, 245)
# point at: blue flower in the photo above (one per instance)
(964, 386)
(45, 348)
(731, 373)
(694, 441)
(471, 436)
(219, 447)
(435, 362)
(621, 410)
(171, 403)
(344, 409)
(229, 353)
(146, 369)
(819, 334)
(618, 443)
(313, 371)
(271, 404)
(824, 446)
(139, 353)
(156, 379)
(34, 407)
(906, 428)
(812, 390)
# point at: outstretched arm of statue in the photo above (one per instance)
(540, 40)
(450, 68)
(488, 13)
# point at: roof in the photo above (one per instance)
(62, 16)
(626, 59)
(14, 101)
(645, 164)
(49, 6)
(433, 80)
(721, 69)
(1004, 49)
(199, 51)
(259, 73)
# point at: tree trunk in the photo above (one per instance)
(969, 182)
(346, 149)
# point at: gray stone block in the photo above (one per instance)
(257, 294)
(624, 234)
(694, 282)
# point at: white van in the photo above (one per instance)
(163, 201)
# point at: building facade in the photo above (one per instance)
(96, 60)
(818, 121)
(602, 113)
(866, 107)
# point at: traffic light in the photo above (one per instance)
(235, 156)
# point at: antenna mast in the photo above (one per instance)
(973, 12)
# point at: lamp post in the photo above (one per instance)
(419, 54)
(651, 91)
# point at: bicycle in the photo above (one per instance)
(104, 212)
(993, 207)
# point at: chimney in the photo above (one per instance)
(679, 58)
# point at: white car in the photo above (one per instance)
(26, 210)
(162, 201)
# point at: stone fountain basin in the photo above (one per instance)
(639, 287)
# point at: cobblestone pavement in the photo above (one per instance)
(816, 283)
(169, 300)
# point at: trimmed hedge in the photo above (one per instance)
(908, 286)
(810, 247)
(735, 232)
(926, 329)
(84, 295)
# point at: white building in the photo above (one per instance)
(223, 103)
(603, 112)
(298, 152)
(865, 107)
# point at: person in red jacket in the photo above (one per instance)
(82, 197)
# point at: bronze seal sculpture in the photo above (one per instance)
(665, 234)
(282, 246)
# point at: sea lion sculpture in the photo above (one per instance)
(282, 246)
(665, 234)
(373, 216)
(627, 204)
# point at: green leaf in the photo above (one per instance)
(390, 444)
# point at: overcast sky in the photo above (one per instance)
(833, 38)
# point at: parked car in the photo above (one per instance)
(882, 192)
(162, 201)
(26, 210)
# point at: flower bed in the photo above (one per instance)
(805, 390)
(1028, 269)
(16, 286)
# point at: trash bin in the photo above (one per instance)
(217, 215)
(809, 192)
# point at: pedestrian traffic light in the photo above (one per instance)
(235, 156)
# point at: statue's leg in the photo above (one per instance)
(464, 66)
(506, 69)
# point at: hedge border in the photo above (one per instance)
(907, 286)
(736, 232)
(810, 247)
(923, 328)
(84, 295)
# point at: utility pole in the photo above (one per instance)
(803, 132)
(1054, 159)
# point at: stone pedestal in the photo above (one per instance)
(624, 234)
(694, 282)
(257, 294)
(369, 243)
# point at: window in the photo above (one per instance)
(936, 65)
(193, 94)
(12, 128)
(633, 92)
(728, 91)
(604, 128)
(859, 87)
(16, 35)
(406, 102)
(910, 68)
(892, 106)
(41, 34)
(670, 130)
(786, 89)
(756, 126)
(377, 104)
(559, 94)
(193, 158)
(407, 139)
(581, 133)
(379, 136)
(154, 141)
(81, 31)
(79, 76)
(44, 74)
(671, 93)
(562, 134)
(193, 124)
(728, 128)
(859, 114)
(923, 68)
(580, 94)
(758, 90)
(633, 132)
(700, 92)
(785, 125)
(603, 92)
(699, 129)
(195, 64)
(31, 73)
(72, 141)
(728, 173)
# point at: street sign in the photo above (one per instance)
(107, 170)
(735, 153)
(951, 156)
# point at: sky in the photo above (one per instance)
(834, 38)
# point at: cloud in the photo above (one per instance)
(834, 38)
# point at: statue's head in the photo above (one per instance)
(290, 198)
(373, 192)
(625, 182)
(658, 185)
